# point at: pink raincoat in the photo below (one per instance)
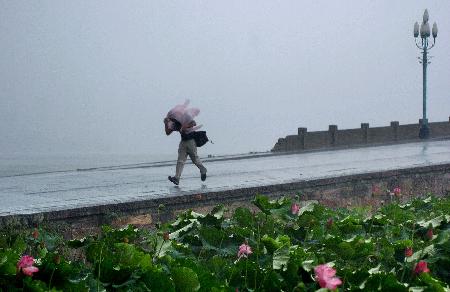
(183, 114)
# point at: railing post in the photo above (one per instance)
(365, 132)
(394, 126)
(332, 130)
(301, 137)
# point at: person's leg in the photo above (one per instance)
(182, 155)
(192, 152)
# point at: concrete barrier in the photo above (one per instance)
(365, 136)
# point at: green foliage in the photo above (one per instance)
(199, 252)
(185, 279)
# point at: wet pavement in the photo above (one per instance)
(52, 191)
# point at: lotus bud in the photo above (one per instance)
(166, 236)
(57, 259)
(421, 267)
(295, 209)
(429, 234)
(329, 223)
(35, 234)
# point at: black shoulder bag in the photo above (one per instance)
(200, 138)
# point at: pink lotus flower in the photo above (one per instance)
(397, 191)
(421, 267)
(294, 209)
(408, 252)
(325, 276)
(244, 250)
(430, 233)
(25, 265)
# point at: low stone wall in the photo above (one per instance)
(364, 136)
(352, 190)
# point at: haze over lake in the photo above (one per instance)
(86, 77)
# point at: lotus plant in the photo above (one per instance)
(35, 234)
(295, 209)
(421, 267)
(329, 223)
(408, 252)
(25, 265)
(430, 233)
(244, 250)
(325, 276)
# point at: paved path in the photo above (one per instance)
(64, 190)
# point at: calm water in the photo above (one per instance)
(21, 165)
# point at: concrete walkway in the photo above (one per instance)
(28, 194)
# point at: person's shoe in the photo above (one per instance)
(174, 180)
(203, 176)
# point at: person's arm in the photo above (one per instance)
(166, 127)
(184, 128)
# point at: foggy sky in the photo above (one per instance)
(99, 76)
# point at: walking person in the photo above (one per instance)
(181, 119)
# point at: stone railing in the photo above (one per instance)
(364, 136)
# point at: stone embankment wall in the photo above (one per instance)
(366, 189)
(364, 136)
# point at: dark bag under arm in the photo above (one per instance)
(200, 138)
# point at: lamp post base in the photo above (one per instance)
(424, 132)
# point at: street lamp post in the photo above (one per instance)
(424, 46)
